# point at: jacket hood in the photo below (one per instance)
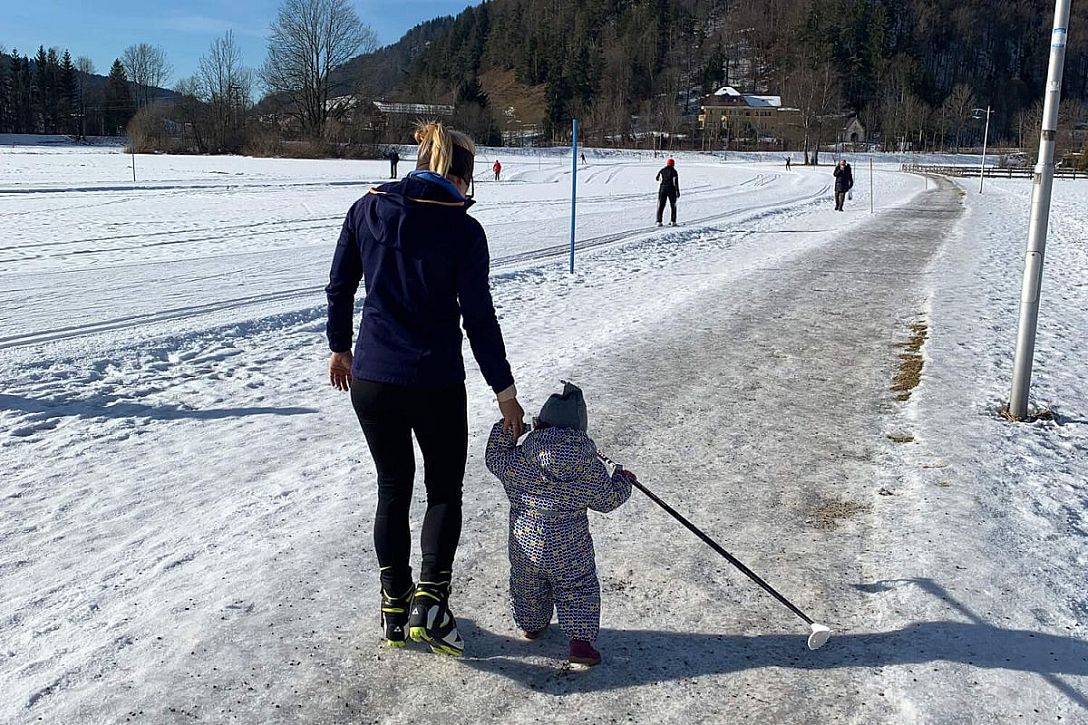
(562, 454)
(402, 206)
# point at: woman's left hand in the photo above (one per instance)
(340, 370)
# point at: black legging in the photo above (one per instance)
(389, 414)
(662, 197)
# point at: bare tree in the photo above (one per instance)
(816, 92)
(147, 68)
(958, 108)
(308, 39)
(226, 86)
(85, 66)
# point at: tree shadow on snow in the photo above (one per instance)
(104, 406)
(636, 657)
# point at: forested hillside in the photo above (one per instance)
(911, 69)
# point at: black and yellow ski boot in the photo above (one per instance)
(431, 620)
(395, 617)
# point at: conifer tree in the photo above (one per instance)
(40, 92)
(117, 107)
(52, 81)
(23, 120)
(68, 96)
(7, 97)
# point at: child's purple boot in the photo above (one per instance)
(582, 653)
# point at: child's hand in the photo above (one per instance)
(629, 475)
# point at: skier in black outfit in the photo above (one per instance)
(394, 158)
(669, 190)
(844, 182)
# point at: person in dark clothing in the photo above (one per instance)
(788, 161)
(394, 159)
(844, 182)
(668, 191)
(424, 262)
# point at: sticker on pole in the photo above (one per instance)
(1057, 40)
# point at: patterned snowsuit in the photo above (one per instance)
(551, 479)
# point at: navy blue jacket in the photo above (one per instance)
(425, 265)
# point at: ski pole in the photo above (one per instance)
(818, 633)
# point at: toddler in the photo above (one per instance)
(552, 478)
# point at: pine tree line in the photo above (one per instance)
(49, 94)
(912, 70)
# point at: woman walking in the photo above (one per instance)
(424, 262)
(844, 182)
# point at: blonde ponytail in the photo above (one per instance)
(436, 149)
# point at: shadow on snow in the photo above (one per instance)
(103, 406)
(637, 657)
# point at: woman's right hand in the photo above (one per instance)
(513, 417)
(340, 370)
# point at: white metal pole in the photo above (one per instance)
(1042, 186)
(985, 143)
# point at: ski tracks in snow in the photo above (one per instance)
(187, 512)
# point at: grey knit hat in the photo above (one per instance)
(566, 410)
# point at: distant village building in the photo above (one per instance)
(394, 122)
(852, 132)
(384, 121)
(729, 116)
(415, 110)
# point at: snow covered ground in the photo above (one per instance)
(184, 505)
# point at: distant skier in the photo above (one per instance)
(394, 159)
(497, 168)
(551, 479)
(787, 163)
(844, 182)
(584, 162)
(668, 191)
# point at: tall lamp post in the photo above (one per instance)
(1042, 185)
(985, 142)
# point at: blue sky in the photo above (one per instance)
(102, 30)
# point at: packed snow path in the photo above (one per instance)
(185, 530)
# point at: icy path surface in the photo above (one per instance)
(184, 510)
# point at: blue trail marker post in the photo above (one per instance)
(573, 186)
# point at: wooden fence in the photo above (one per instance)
(990, 171)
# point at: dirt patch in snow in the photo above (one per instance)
(910, 362)
(830, 512)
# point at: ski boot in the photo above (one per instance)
(431, 620)
(395, 616)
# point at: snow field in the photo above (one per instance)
(184, 511)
